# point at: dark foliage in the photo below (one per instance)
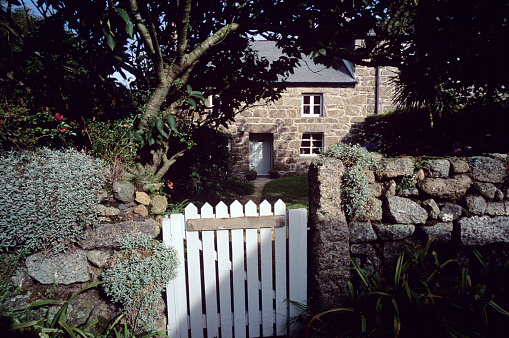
(425, 297)
(471, 131)
(204, 173)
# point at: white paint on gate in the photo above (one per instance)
(221, 294)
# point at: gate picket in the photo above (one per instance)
(173, 235)
(253, 281)
(239, 276)
(266, 272)
(194, 274)
(297, 250)
(280, 270)
(209, 275)
(226, 268)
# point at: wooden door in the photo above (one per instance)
(260, 153)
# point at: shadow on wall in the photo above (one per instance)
(471, 131)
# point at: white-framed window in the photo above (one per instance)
(312, 104)
(312, 144)
(214, 105)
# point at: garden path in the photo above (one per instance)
(256, 196)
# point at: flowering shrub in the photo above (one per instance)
(21, 128)
(110, 141)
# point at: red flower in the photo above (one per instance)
(59, 117)
(62, 130)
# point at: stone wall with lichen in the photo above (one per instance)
(460, 202)
(344, 107)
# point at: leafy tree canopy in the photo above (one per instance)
(183, 51)
(456, 56)
(179, 51)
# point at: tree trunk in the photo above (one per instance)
(178, 71)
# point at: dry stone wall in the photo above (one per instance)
(344, 107)
(460, 202)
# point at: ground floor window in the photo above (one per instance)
(312, 143)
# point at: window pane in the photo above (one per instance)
(306, 99)
(317, 99)
(306, 136)
(317, 150)
(305, 151)
(306, 143)
(316, 110)
(306, 109)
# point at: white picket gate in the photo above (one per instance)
(236, 282)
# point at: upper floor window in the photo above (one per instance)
(213, 104)
(312, 104)
(215, 107)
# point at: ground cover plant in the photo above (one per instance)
(9, 263)
(58, 326)
(293, 190)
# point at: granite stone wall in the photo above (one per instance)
(460, 202)
(344, 107)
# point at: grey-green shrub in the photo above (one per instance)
(356, 190)
(47, 198)
(139, 275)
(350, 155)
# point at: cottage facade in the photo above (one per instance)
(319, 107)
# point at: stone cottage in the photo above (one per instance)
(319, 107)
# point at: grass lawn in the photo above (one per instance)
(292, 190)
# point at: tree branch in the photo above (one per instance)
(144, 32)
(158, 56)
(177, 69)
(210, 42)
(182, 29)
(168, 162)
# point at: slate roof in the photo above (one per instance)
(308, 71)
